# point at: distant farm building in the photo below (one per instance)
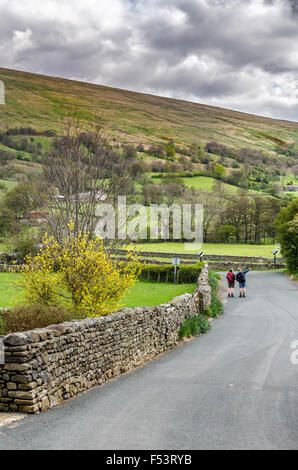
(291, 187)
(35, 218)
(85, 197)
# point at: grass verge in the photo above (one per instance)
(195, 325)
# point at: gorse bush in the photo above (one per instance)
(77, 274)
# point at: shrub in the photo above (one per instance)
(213, 280)
(130, 152)
(216, 307)
(77, 273)
(209, 312)
(25, 242)
(193, 326)
(49, 133)
(219, 171)
(165, 273)
(30, 317)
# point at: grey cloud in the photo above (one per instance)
(225, 35)
(294, 6)
(205, 50)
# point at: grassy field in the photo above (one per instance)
(205, 183)
(154, 293)
(7, 184)
(142, 293)
(212, 249)
(9, 293)
(37, 101)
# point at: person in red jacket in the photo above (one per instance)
(231, 283)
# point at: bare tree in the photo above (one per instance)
(79, 173)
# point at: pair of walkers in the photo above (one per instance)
(240, 278)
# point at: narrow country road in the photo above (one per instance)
(232, 388)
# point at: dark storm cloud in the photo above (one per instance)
(294, 6)
(232, 53)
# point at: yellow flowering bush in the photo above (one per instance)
(78, 273)
(39, 283)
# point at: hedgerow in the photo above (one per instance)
(186, 274)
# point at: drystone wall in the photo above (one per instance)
(45, 366)
(231, 258)
(226, 266)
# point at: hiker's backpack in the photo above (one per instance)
(230, 276)
(240, 278)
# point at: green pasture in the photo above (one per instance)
(142, 293)
(211, 249)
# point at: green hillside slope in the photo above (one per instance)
(36, 100)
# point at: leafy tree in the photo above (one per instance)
(21, 199)
(136, 168)
(226, 232)
(8, 223)
(170, 150)
(287, 227)
(130, 152)
(15, 205)
(219, 171)
(26, 242)
(151, 194)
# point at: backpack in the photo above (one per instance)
(230, 276)
(240, 277)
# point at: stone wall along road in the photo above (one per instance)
(45, 366)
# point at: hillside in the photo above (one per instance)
(36, 100)
(235, 164)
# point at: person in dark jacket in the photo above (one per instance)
(231, 283)
(240, 277)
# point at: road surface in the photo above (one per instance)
(232, 388)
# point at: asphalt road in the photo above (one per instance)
(232, 388)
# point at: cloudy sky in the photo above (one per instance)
(238, 54)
